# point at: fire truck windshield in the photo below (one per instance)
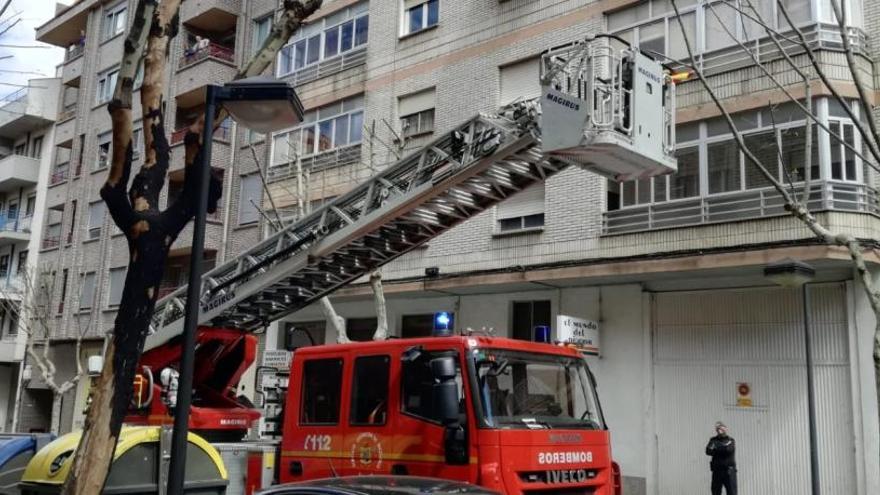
(535, 391)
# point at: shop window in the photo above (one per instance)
(526, 316)
(369, 392)
(321, 391)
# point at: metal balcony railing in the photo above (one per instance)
(15, 224)
(60, 174)
(51, 241)
(213, 50)
(75, 51)
(67, 114)
(739, 205)
(334, 158)
(222, 133)
(324, 68)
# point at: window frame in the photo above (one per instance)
(314, 124)
(352, 404)
(289, 51)
(302, 399)
(102, 158)
(420, 116)
(106, 85)
(406, 28)
(93, 232)
(94, 278)
(112, 18)
(246, 204)
(268, 19)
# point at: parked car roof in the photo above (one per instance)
(377, 485)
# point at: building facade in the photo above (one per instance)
(27, 120)
(81, 246)
(670, 268)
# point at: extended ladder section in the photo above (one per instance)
(462, 173)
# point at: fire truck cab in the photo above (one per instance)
(513, 416)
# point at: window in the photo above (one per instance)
(360, 329)
(307, 333)
(64, 276)
(4, 265)
(30, 205)
(96, 219)
(525, 210)
(262, 28)
(417, 112)
(117, 282)
(250, 189)
(325, 39)
(724, 166)
(106, 86)
(369, 390)
(417, 383)
(527, 315)
(72, 226)
(419, 15)
(843, 160)
(87, 294)
(12, 212)
(321, 391)
(520, 81)
(20, 149)
(137, 144)
(103, 158)
(22, 262)
(37, 147)
(12, 330)
(114, 21)
(413, 326)
(330, 127)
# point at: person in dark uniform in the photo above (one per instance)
(722, 448)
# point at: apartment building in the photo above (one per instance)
(27, 119)
(670, 269)
(81, 246)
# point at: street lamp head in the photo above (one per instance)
(789, 272)
(262, 104)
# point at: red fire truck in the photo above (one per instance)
(521, 417)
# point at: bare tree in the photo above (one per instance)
(27, 305)
(789, 40)
(135, 210)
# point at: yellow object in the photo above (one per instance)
(680, 76)
(59, 452)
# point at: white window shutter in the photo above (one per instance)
(527, 202)
(96, 214)
(416, 102)
(520, 80)
(251, 189)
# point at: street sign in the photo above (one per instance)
(583, 334)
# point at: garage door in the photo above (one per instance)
(707, 343)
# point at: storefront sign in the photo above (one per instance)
(277, 358)
(743, 394)
(583, 334)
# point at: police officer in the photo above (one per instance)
(722, 448)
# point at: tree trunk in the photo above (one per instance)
(379, 302)
(55, 418)
(336, 322)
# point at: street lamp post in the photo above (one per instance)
(796, 274)
(264, 105)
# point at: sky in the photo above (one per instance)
(26, 63)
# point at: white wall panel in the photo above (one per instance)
(706, 342)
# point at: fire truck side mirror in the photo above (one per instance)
(446, 400)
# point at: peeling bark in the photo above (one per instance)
(381, 310)
(336, 322)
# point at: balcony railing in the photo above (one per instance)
(327, 67)
(59, 175)
(67, 114)
(75, 51)
(338, 157)
(51, 241)
(221, 133)
(819, 36)
(213, 50)
(740, 205)
(14, 224)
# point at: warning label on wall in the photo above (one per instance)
(743, 394)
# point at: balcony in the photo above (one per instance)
(213, 65)
(18, 171)
(30, 108)
(71, 72)
(222, 133)
(338, 157)
(210, 15)
(736, 206)
(68, 24)
(14, 229)
(60, 174)
(328, 67)
(51, 241)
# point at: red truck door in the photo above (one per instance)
(368, 437)
(312, 446)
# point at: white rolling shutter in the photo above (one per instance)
(520, 80)
(524, 203)
(416, 102)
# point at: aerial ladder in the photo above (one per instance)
(604, 109)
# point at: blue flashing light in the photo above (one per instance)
(542, 334)
(442, 323)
